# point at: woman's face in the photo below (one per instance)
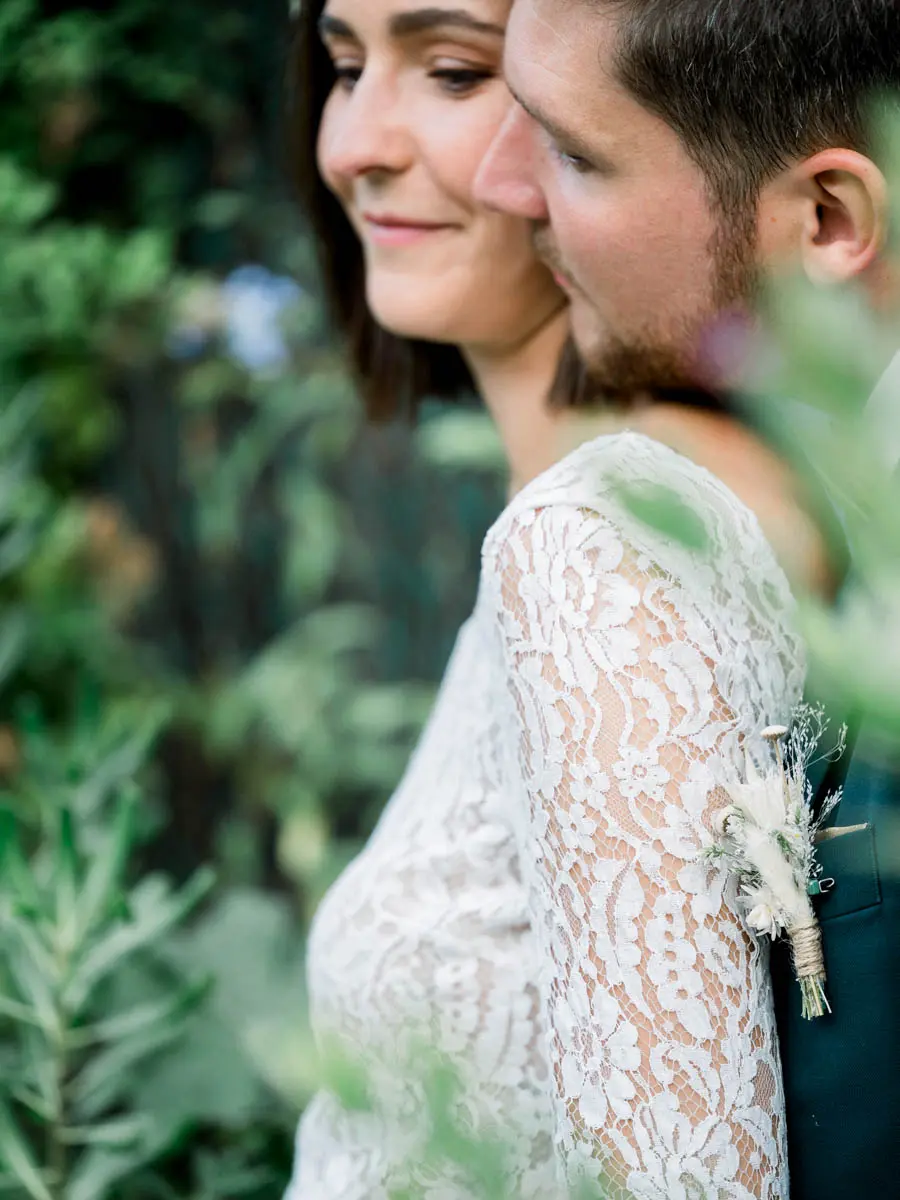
(418, 97)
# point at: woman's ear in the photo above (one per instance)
(844, 227)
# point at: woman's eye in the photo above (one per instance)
(347, 75)
(459, 81)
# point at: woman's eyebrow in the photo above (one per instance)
(334, 27)
(423, 20)
(411, 24)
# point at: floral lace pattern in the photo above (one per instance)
(533, 901)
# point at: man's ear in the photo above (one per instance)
(844, 215)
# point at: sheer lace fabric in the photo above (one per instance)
(533, 903)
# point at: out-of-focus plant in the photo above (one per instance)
(445, 1140)
(193, 435)
(182, 476)
(141, 1054)
(292, 707)
(826, 386)
(135, 1061)
(70, 922)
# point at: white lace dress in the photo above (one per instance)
(532, 902)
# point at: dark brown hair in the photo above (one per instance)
(753, 85)
(393, 373)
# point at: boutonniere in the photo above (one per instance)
(767, 837)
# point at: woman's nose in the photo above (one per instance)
(369, 134)
(506, 179)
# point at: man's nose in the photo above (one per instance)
(506, 179)
(369, 135)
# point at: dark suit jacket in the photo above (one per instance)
(842, 1072)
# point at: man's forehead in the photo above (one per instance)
(552, 33)
(557, 60)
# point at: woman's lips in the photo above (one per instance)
(395, 231)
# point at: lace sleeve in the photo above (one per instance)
(657, 1008)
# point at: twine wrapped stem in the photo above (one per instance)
(809, 967)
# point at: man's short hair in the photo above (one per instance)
(753, 85)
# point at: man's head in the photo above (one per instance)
(669, 150)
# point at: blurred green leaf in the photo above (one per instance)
(18, 1159)
(13, 637)
(156, 911)
(99, 1169)
(141, 266)
(260, 988)
(664, 510)
(218, 210)
(461, 440)
(123, 1132)
(144, 1019)
(24, 198)
(99, 889)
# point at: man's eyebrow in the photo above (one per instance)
(411, 24)
(573, 142)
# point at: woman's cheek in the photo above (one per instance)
(465, 139)
(325, 142)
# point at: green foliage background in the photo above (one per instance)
(224, 604)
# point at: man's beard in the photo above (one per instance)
(647, 364)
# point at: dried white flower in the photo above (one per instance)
(723, 817)
(774, 733)
(763, 920)
(763, 799)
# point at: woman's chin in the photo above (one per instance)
(412, 322)
(472, 317)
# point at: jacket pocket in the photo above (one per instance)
(849, 857)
